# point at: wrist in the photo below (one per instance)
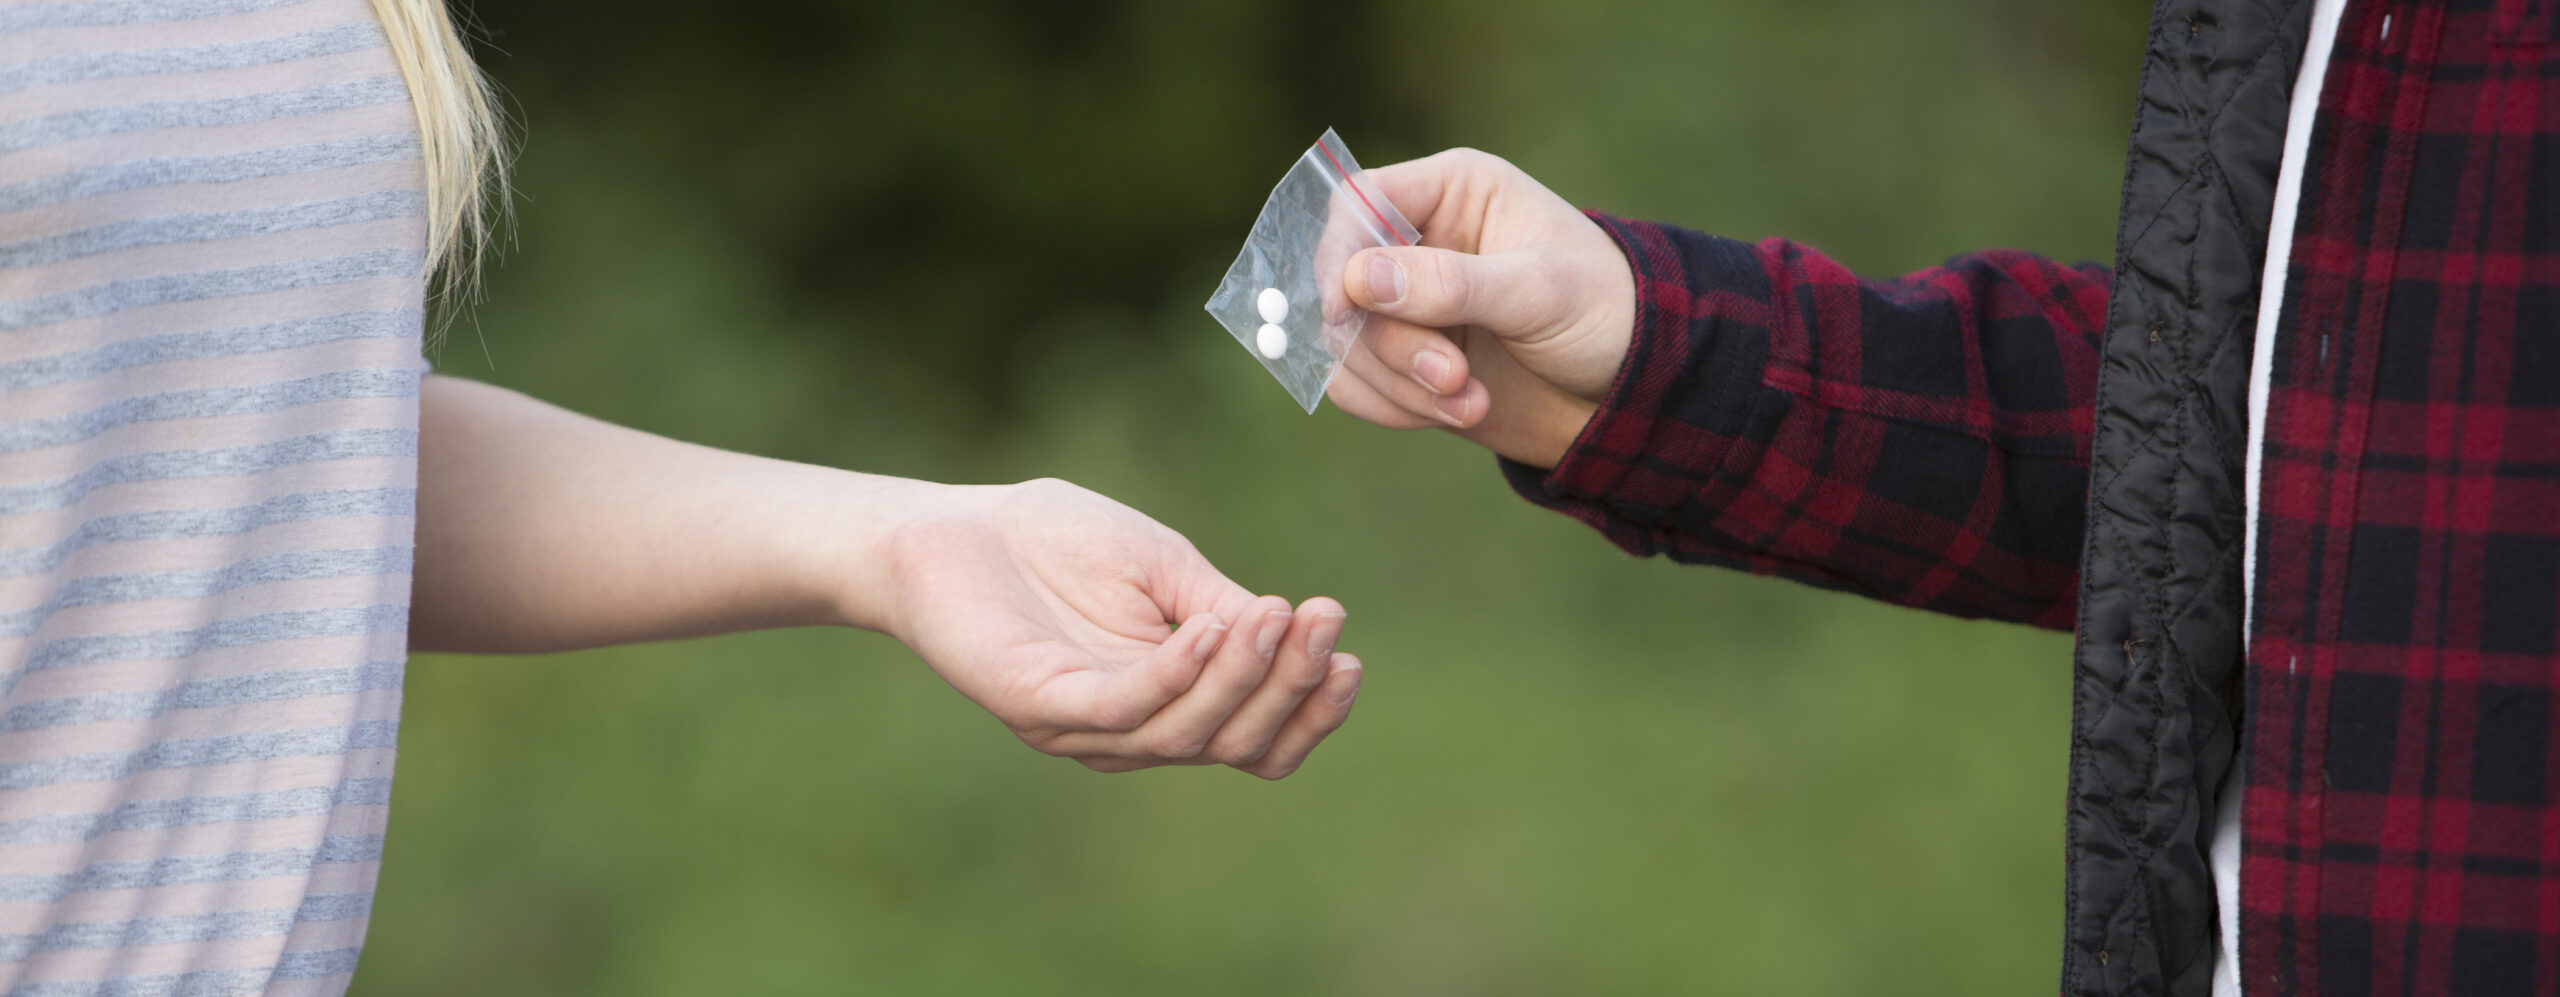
(1539, 431)
(1590, 361)
(875, 519)
(1535, 424)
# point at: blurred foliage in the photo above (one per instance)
(967, 240)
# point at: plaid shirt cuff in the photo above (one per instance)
(1921, 440)
(1674, 361)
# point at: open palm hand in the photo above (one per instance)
(1096, 633)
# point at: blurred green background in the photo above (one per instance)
(967, 240)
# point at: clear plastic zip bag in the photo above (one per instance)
(1283, 297)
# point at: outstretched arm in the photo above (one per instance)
(1922, 440)
(1090, 630)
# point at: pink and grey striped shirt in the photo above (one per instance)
(211, 239)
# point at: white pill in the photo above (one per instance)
(1273, 305)
(1272, 340)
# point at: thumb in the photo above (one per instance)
(1184, 584)
(1507, 294)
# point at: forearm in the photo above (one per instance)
(1092, 631)
(1922, 440)
(543, 530)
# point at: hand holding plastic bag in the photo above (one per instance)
(1322, 212)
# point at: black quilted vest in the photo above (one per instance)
(2156, 668)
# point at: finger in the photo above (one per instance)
(1296, 671)
(1180, 731)
(1182, 583)
(1414, 186)
(1104, 699)
(1511, 295)
(1464, 408)
(1321, 715)
(1358, 399)
(1424, 355)
(1419, 187)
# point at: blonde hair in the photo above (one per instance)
(462, 136)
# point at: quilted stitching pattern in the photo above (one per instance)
(2159, 621)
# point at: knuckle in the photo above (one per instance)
(1240, 753)
(1240, 682)
(1175, 745)
(1118, 718)
(1043, 741)
(1044, 494)
(1474, 158)
(1164, 687)
(1456, 292)
(1303, 682)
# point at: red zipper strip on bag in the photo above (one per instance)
(1364, 198)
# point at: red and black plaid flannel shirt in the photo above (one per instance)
(1925, 441)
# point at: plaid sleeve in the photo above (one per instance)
(1922, 440)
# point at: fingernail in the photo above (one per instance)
(1274, 624)
(1452, 409)
(1328, 629)
(1210, 637)
(1386, 279)
(1343, 687)
(1429, 367)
